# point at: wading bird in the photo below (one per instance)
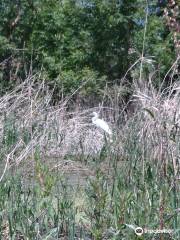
(101, 123)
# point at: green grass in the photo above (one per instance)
(109, 205)
(47, 208)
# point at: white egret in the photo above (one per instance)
(101, 123)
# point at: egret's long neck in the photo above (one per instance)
(95, 118)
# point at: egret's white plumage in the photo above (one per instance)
(101, 123)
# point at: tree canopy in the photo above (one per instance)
(74, 41)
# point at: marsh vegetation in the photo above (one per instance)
(61, 177)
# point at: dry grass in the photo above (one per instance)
(26, 113)
(159, 124)
(28, 123)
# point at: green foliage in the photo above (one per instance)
(158, 42)
(44, 177)
(97, 193)
(10, 134)
(67, 38)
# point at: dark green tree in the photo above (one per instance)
(72, 40)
